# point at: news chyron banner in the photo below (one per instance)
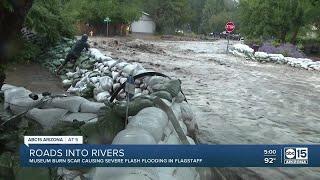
(69, 151)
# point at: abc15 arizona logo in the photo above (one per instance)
(295, 155)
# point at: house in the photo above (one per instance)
(144, 25)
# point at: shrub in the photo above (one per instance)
(28, 52)
(286, 49)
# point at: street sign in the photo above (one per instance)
(107, 20)
(230, 26)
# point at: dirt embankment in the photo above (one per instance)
(33, 77)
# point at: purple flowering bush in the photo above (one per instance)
(287, 49)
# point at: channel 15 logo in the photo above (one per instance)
(295, 155)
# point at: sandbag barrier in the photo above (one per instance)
(245, 51)
(103, 122)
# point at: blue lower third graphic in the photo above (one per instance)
(170, 155)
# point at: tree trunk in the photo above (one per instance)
(283, 35)
(11, 22)
(294, 36)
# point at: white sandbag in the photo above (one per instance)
(114, 69)
(188, 117)
(166, 170)
(112, 63)
(145, 92)
(242, 48)
(136, 95)
(98, 88)
(97, 54)
(191, 141)
(91, 107)
(106, 69)
(115, 75)
(7, 87)
(137, 81)
(129, 68)
(132, 173)
(179, 98)
(122, 95)
(102, 96)
(155, 81)
(47, 117)
(20, 105)
(177, 111)
(65, 173)
(106, 83)
(121, 65)
(122, 80)
(173, 139)
(70, 74)
(261, 55)
(167, 132)
(237, 53)
(79, 84)
(186, 173)
(124, 74)
(134, 135)
(116, 86)
(137, 90)
(105, 58)
(14, 93)
(73, 90)
(151, 119)
(67, 82)
(94, 79)
(101, 68)
(276, 57)
(86, 117)
(138, 70)
(71, 103)
(183, 127)
(163, 176)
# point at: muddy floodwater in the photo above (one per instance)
(239, 101)
(236, 101)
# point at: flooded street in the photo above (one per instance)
(236, 101)
(239, 101)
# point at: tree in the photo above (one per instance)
(196, 14)
(12, 17)
(49, 19)
(273, 18)
(168, 14)
(216, 13)
(120, 11)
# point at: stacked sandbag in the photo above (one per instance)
(151, 126)
(50, 111)
(106, 75)
(98, 76)
(242, 50)
(17, 99)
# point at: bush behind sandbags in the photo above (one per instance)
(109, 124)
